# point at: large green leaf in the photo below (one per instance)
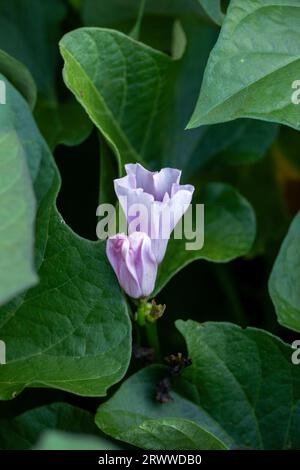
(161, 91)
(137, 114)
(237, 142)
(229, 232)
(120, 83)
(17, 207)
(244, 140)
(23, 432)
(251, 70)
(132, 415)
(284, 281)
(72, 330)
(241, 389)
(79, 337)
(43, 173)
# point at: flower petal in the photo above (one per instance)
(163, 182)
(153, 202)
(134, 263)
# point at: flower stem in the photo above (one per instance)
(140, 315)
(153, 341)
(143, 319)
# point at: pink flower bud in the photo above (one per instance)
(134, 263)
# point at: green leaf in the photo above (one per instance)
(44, 176)
(241, 389)
(251, 69)
(191, 149)
(149, 425)
(19, 76)
(72, 330)
(168, 90)
(59, 440)
(79, 329)
(253, 369)
(284, 280)
(17, 207)
(127, 119)
(213, 9)
(229, 232)
(23, 432)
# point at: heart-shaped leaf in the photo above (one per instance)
(133, 416)
(109, 93)
(241, 390)
(140, 99)
(17, 206)
(72, 330)
(252, 69)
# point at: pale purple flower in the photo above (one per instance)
(134, 263)
(164, 199)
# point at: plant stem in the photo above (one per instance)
(149, 327)
(140, 318)
(152, 336)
